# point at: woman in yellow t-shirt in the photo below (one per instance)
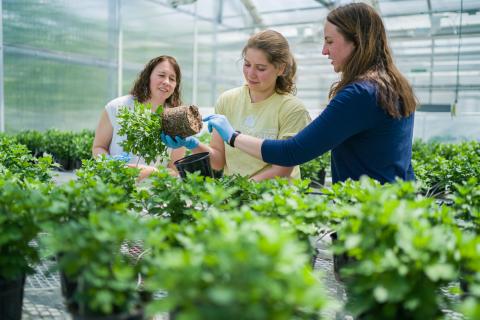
(265, 107)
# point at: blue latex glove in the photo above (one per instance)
(221, 124)
(177, 142)
(124, 156)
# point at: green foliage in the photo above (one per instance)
(18, 160)
(176, 199)
(247, 190)
(466, 199)
(439, 166)
(33, 140)
(82, 143)
(403, 251)
(311, 170)
(109, 171)
(142, 129)
(22, 211)
(88, 251)
(293, 210)
(360, 191)
(237, 268)
(78, 199)
(67, 148)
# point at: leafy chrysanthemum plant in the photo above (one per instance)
(142, 129)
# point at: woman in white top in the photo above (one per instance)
(158, 84)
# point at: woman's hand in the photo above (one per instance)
(178, 142)
(220, 123)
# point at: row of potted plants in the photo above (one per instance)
(67, 148)
(401, 247)
(24, 180)
(440, 166)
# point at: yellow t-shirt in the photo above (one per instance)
(277, 117)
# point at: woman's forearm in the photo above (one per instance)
(96, 151)
(250, 145)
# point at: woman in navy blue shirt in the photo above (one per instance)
(368, 123)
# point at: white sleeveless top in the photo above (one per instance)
(113, 108)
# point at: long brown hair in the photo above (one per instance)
(278, 53)
(141, 87)
(371, 59)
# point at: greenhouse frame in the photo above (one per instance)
(118, 204)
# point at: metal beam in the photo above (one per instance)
(252, 10)
(187, 12)
(327, 4)
(68, 58)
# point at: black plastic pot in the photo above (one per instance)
(321, 176)
(217, 174)
(196, 162)
(465, 278)
(339, 260)
(68, 287)
(11, 298)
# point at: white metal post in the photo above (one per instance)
(2, 99)
(114, 38)
(195, 58)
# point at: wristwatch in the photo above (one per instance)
(232, 138)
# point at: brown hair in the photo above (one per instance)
(371, 59)
(141, 87)
(277, 51)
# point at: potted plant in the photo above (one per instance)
(33, 140)
(236, 266)
(403, 252)
(104, 280)
(109, 171)
(22, 210)
(316, 169)
(142, 128)
(18, 160)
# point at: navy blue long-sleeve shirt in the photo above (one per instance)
(364, 139)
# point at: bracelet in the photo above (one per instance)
(232, 138)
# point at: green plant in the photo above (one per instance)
(17, 159)
(33, 140)
(22, 212)
(439, 166)
(109, 171)
(77, 199)
(403, 251)
(59, 144)
(82, 145)
(142, 129)
(470, 280)
(176, 199)
(314, 169)
(236, 268)
(466, 201)
(106, 279)
(306, 215)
